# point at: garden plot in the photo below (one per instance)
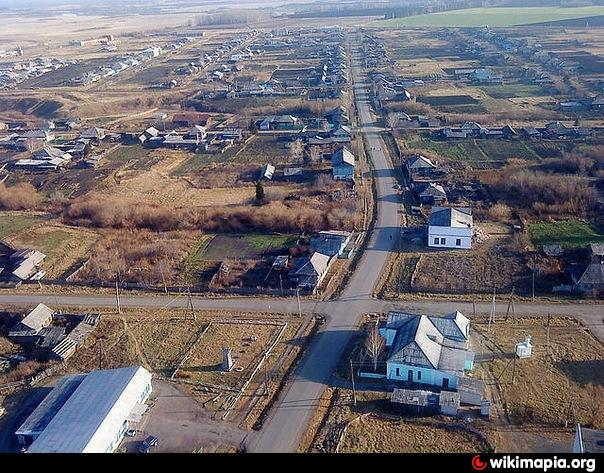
(62, 245)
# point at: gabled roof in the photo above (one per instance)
(458, 217)
(427, 341)
(419, 161)
(316, 264)
(431, 189)
(37, 318)
(593, 275)
(343, 156)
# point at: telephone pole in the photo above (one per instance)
(511, 305)
(298, 298)
(117, 297)
(191, 304)
(492, 314)
(354, 393)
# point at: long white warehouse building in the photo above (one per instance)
(87, 413)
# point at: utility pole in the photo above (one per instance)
(548, 326)
(117, 298)
(298, 298)
(511, 305)
(191, 304)
(354, 393)
(514, 369)
(492, 314)
(161, 270)
(266, 383)
(533, 282)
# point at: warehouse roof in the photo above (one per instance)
(94, 413)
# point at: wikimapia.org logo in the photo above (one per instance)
(544, 464)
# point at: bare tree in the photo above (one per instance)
(392, 120)
(315, 154)
(296, 151)
(374, 345)
(32, 145)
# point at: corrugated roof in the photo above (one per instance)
(94, 413)
(50, 405)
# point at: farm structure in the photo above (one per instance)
(87, 413)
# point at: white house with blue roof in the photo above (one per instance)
(428, 350)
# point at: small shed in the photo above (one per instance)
(414, 401)
(448, 402)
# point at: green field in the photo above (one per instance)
(11, 223)
(466, 150)
(569, 233)
(245, 246)
(494, 16)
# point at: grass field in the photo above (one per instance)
(13, 222)
(568, 233)
(493, 17)
(246, 246)
(570, 369)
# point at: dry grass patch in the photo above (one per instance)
(205, 362)
(378, 435)
(547, 382)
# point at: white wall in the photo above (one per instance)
(421, 375)
(450, 235)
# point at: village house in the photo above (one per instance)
(450, 227)
(331, 242)
(26, 264)
(308, 272)
(96, 135)
(591, 281)
(343, 165)
(430, 193)
(278, 122)
(189, 119)
(36, 320)
(46, 159)
(427, 350)
(419, 166)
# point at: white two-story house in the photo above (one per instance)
(450, 227)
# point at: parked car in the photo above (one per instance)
(148, 444)
(130, 433)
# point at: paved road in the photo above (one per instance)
(295, 407)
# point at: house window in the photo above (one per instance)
(458, 242)
(419, 375)
(398, 372)
(443, 241)
(410, 376)
(436, 241)
(445, 382)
